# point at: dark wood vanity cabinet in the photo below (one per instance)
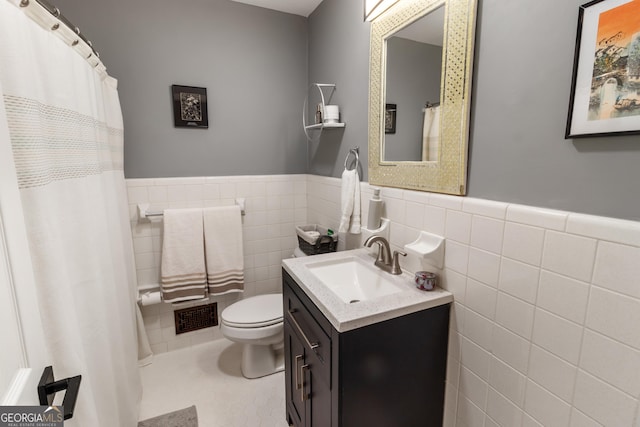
(387, 374)
(307, 339)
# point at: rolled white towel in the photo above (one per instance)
(313, 234)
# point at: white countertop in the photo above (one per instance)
(345, 317)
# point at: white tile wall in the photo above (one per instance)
(519, 280)
(515, 315)
(501, 411)
(614, 315)
(557, 335)
(274, 205)
(596, 359)
(603, 402)
(484, 267)
(545, 407)
(569, 255)
(545, 328)
(478, 329)
(552, 373)
(523, 243)
(507, 381)
(546, 322)
(510, 348)
(487, 234)
(563, 296)
(617, 268)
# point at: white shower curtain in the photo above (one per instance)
(431, 133)
(66, 133)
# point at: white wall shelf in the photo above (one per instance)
(313, 131)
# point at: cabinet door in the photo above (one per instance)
(318, 408)
(294, 360)
(307, 365)
(308, 394)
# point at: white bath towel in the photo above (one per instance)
(350, 202)
(183, 269)
(223, 249)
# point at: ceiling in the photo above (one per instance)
(425, 30)
(296, 7)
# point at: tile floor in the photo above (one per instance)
(208, 376)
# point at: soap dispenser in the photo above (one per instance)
(375, 210)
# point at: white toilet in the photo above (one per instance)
(256, 322)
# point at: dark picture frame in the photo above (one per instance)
(390, 111)
(605, 85)
(190, 106)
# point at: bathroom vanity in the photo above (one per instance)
(376, 362)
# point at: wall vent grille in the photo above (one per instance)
(195, 318)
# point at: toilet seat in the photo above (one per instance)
(254, 312)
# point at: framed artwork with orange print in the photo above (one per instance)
(605, 87)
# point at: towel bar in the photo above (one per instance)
(145, 213)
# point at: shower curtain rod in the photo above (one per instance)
(56, 13)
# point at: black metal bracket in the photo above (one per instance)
(48, 387)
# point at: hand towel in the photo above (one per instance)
(350, 202)
(183, 268)
(223, 249)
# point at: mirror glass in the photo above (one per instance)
(412, 95)
(419, 105)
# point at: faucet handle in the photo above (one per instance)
(395, 267)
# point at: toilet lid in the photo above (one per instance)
(254, 312)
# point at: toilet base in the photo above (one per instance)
(262, 360)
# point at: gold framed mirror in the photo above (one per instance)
(445, 169)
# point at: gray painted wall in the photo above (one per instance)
(254, 64)
(339, 53)
(519, 108)
(252, 61)
(413, 78)
(521, 96)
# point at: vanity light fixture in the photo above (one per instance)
(374, 8)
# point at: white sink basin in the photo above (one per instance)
(332, 281)
(352, 280)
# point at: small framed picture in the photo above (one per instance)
(390, 118)
(605, 87)
(190, 106)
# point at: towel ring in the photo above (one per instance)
(353, 151)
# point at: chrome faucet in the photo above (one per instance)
(384, 260)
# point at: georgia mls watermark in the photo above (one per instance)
(31, 416)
